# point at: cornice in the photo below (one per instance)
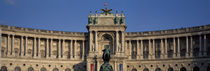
(169, 32)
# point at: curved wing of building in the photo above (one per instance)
(184, 49)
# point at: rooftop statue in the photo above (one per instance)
(106, 10)
(106, 57)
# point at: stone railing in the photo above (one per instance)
(38, 31)
(171, 31)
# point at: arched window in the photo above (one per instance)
(30, 69)
(170, 69)
(17, 69)
(196, 68)
(157, 69)
(134, 69)
(183, 69)
(43, 69)
(3, 68)
(55, 69)
(146, 69)
(67, 69)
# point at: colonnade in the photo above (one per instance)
(65, 48)
(189, 45)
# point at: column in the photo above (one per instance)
(162, 48)
(117, 48)
(50, 48)
(166, 48)
(141, 57)
(138, 49)
(153, 49)
(96, 43)
(191, 46)
(90, 41)
(71, 49)
(83, 48)
(63, 49)
(8, 45)
(130, 49)
(187, 47)
(26, 46)
(12, 46)
(205, 46)
(34, 48)
(178, 55)
(200, 45)
(174, 43)
(59, 48)
(123, 42)
(75, 46)
(38, 49)
(150, 49)
(47, 48)
(21, 46)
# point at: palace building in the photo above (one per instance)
(184, 49)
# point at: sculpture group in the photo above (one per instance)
(106, 57)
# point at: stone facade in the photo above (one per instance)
(185, 49)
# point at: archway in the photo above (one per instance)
(170, 69)
(146, 69)
(30, 69)
(43, 69)
(107, 41)
(3, 68)
(55, 69)
(17, 69)
(157, 69)
(134, 69)
(183, 69)
(196, 68)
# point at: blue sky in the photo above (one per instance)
(71, 15)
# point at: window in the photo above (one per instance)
(3, 68)
(196, 68)
(67, 69)
(43, 69)
(157, 69)
(145, 49)
(183, 69)
(134, 50)
(55, 69)
(146, 69)
(170, 69)
(17, 69)
(157, 49)
(134, 69)
(30, 69)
